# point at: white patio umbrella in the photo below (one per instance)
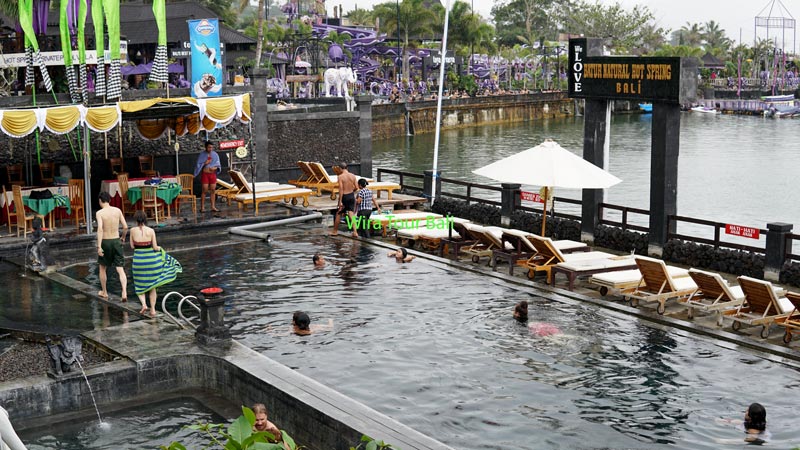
(549, 165)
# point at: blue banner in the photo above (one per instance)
(206, 58)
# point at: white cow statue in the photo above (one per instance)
(339, 78)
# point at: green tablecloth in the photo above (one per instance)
(47, 205)
(167, 192)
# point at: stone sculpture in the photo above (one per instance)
(339, 78)
(65, 355)
(39, 251)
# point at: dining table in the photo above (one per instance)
(167, 192)
(113, 189)
(45, 207)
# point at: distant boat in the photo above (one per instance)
(646, 107)
(705, 109)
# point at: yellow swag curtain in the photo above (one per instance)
(62, 120)
(18, 123)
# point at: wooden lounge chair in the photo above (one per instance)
(246, 187)
(524, 250)
(401, 221)
(713, 294)
(322, 181)
(656, 284)
(454, 244)
(762, 306)
(791, 323)
(287, 194)
(306, 177)
(619, 281)
(588, 267)
(325, 182)
(430, 236)
(483, 241)
(225, 190)
(548, 256)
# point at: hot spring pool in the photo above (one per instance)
(141, 427)
(437, 349)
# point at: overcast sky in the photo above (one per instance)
(731, 15)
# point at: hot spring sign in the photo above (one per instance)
(652, 79)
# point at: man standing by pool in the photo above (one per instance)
(347, 197)
(109, 244)
(208, 164)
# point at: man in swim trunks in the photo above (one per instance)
(208, 165)
(109, 244)
(347, 197)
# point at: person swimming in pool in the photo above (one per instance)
(301, 324)
(754, 426)
(540, 329)
(401, 255)
(319, 260)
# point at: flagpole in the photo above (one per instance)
(439, 102)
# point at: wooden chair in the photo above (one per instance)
(15, 175)
(657, 285)
(7, 205)
(146, 166)
(117, 165)
(186, 180)
(762, 305)
(150, 201)
(76, 201)
(22, 217)
(47, 172)
(122, 179)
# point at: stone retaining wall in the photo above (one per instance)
(396, 119)
(316, 416)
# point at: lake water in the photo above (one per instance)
(436, 348)
(732, 169)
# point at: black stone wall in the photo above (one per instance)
(621, 240)
(701, 256)
(327, 140)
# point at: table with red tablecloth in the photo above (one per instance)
(112, 187)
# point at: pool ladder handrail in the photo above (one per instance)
(184, 298)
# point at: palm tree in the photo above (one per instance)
(360, 16)
(408, 19)
(691, 34)
(467, 29)
(715, 39)
(259, 26)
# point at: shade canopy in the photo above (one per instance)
(549, 164)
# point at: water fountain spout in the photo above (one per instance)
(65, 355)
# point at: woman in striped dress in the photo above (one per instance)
(152, 267)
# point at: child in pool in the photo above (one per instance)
(541, 329)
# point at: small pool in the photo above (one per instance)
(33, 303)
(436, 349)
(141, 427)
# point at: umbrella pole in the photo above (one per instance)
(544, 213)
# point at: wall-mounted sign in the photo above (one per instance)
(531, 196)
(654, 79)
(738, 230)
(227, 145)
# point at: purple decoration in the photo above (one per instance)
(72, 15)
(18, 27)
(40, 10)
(335, 53)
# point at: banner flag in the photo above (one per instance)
(206, 64)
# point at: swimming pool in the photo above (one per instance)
(436, 349)
(140, 427)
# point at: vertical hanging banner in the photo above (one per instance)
(206, 65)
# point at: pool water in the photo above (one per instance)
(436, 348)
(141, 427)
(32, 303)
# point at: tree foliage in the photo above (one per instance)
(409, 19)
(630, 31)
(527, 21)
